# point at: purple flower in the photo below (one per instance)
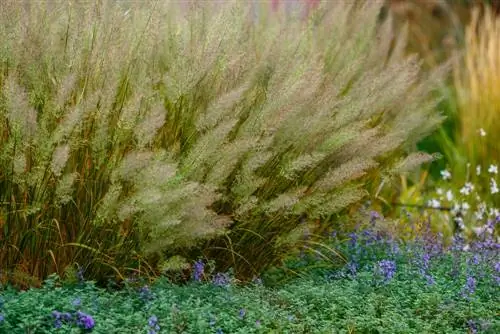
(242, 313)
(395, 249)
(469, 287)
(153, 323)
(352, 268)
(77, 302)
(221, 279)
(66, 316)
(145, 293)
(429, 279)
(424, 265)
(472, 326)
(374, 216)
(199, 268)
(84, 320)
(354, 239)
(58, 319)
(425, 261)
(257, 323)
(2, 318)
(387, 269)
(471, 284)
(497, 267)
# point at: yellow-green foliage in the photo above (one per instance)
(477, 81)
(134, 128)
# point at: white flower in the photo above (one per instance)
(482, 132)
(494, 186)
(478, 215)
(479, 230)
(493, 169)
(494, 212)
(439, 191)
(465, 206)
(466, 248)
(449, 196)
(434, 203)
(467, 188)
(446, 174)
(478, 170)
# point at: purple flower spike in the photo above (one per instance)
(85, 321)
(469, 287)
(221, 279)
(387, 269)
(153, 324)
(199, 268)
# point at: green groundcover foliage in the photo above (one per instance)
(379, 285)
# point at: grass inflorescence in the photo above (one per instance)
(134, 135)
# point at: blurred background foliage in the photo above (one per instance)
(466, 34)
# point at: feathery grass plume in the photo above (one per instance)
(286, 117)
(81, 179)
(184, 120)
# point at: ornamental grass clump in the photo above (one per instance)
(477, 83)
(81, 181)
(477, 79)
(131, 132)
(314, 112)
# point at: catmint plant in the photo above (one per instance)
(84, 321)
(154, 327)
(386, 269)
(221, 279)
(198, 270)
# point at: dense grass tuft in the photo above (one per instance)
(133, 133)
